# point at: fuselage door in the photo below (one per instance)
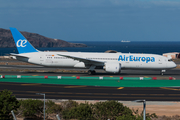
(160, 60)
(41, 58)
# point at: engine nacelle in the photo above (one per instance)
(112, 67)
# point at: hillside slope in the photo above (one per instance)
(6, 40)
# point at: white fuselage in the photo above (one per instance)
(126, 60)
(110, 62)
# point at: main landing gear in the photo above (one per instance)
(91, 72)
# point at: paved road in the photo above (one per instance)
(22, 90)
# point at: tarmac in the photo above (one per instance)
(156, 97)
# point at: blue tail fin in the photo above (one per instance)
(21, 42)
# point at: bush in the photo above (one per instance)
(69, 104)
(80, 112)
(101, 110)
(140, 116)
(31, 108)
(126, 117)
(7, 103)
(51, 107)
(111, 110)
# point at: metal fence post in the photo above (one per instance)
(44, 102)
(13, 115)
(58, 117)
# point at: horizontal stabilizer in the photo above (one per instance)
(18, 55)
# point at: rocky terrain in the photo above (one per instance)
(6, 40)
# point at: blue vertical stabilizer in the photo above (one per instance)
(21, 42)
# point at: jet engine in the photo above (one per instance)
(112, 67)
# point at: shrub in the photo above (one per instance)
(51, 107)
(69, 104)
(80, 112)
(31, 108)
(7, 103)
(140, 116)
(111, 110)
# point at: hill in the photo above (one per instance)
(6, 40)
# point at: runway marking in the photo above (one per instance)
(177, 89)
(110, 76)
(158, 94)
(116, 97)
(35, 75)
(119, 94)
(30, 84)
(74, 86)
(172, 94)
(101, 95)
(138, 94)
(146, 76)
(97, 94)
(33, 92)
(73, 76)
(120, 88)
(56, 85)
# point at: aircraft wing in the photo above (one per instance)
(89, 61)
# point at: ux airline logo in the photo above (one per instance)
(21, 43)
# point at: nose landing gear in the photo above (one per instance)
(162, 72)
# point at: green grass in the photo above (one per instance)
(93, 81)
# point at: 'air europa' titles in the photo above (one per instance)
(132, 58)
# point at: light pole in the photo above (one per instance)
(44, 102)
(144, 107)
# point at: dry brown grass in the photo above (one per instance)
(15, 63)
(178, 67)
(174, 117)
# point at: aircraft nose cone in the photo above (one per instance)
(173, 65)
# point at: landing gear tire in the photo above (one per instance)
(162, 72)
(91, 72)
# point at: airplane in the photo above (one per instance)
(110, 62)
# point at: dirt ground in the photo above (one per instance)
(160, 108)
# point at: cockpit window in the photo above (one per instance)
(170, 60)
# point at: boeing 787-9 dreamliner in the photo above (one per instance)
(110, 62)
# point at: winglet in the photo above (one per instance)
(22, 44)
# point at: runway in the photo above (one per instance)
(22, 90)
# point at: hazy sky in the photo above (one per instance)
(95, 20)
